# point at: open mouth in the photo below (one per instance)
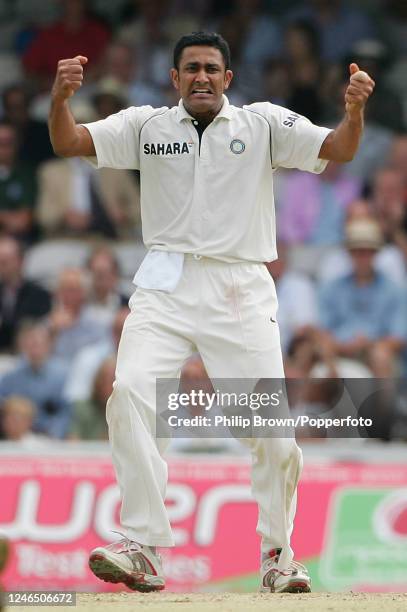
(201, 92)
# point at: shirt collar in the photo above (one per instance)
(226, 111)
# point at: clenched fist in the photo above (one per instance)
(359, 89)
(69, 77)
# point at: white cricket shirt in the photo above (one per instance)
(214, 199)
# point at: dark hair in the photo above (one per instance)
(308, 29)
(209, 39)
(20, 88)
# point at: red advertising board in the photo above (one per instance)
(56, 509)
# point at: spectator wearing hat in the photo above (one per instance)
(389, 260)
(363, 312)
(108, 98)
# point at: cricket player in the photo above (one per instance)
(209, 224)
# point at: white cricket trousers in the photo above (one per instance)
(227, 312)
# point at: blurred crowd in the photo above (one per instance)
(70, 236)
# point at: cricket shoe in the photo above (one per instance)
(128, 562)
(294, 579)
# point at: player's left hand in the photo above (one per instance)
(358, 91)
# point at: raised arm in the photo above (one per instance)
(67, 138)
(342, 144)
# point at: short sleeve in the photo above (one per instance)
(117, 138)
(295, 141)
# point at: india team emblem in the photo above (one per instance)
(237, 146)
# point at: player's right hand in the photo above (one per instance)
(69, 77)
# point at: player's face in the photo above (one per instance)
(201, 79)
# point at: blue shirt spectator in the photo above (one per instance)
(72, 327)
(363, 312)
(40, 379)
(375, 310)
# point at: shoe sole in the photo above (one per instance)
(109, 572)
(297, 586)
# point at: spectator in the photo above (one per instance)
(108, 98)
(105, 298)
(398, 160)
(386, 109)
(388, 260)
(41, 378)
(89, 418)
(17, 187)
(19, 298)
(312, 208)
(296, 298)
(276, 82)
(76, 31)
(364, 312)
(308, 349)
(100, 203)
(85, 365)
(374, 147)
(151, 27)
(311, 354)
(339, 24)
(17, 416)
(377, 137)
(120, 65)
(390, 206)
(260, 33)
(302, 52)
(33, 138)
(147, 33)
(395, 26)
(72, 328)
(254, 38)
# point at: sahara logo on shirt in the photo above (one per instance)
(167, 148)
(291, 119)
